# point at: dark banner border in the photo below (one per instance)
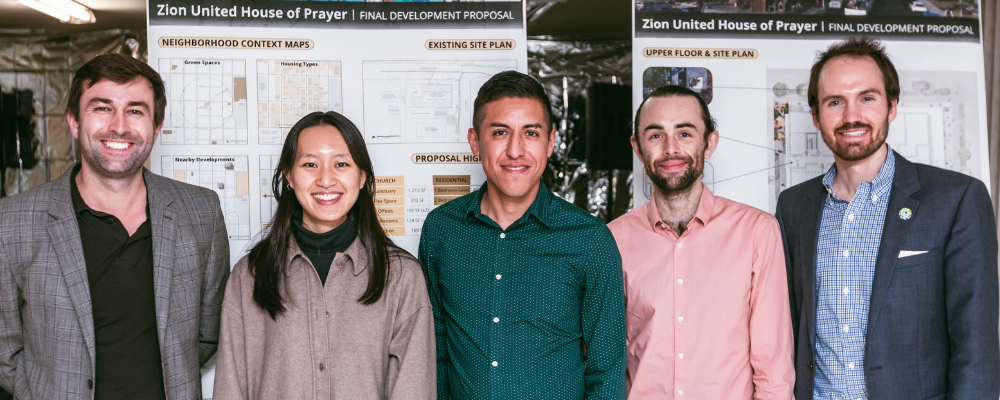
(494, 14)
(824, 23)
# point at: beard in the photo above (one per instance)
(115, 169)
(857, 151)
(669, 184)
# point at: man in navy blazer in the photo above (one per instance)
(892, 265)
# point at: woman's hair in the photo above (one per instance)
(268, 259)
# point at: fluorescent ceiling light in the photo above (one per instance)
(63, 10)
(77, 10)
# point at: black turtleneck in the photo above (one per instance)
(321, 248)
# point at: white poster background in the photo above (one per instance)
(357, 51)
(943, 96)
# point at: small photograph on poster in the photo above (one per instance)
(697, 79)
(905, 8)
(780, 111)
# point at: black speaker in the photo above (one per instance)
(609, 126)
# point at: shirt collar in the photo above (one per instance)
(538, 209)
(79, 205)
(880, 185)
(355, 252)
(706, 209)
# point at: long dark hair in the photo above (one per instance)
(268, 259)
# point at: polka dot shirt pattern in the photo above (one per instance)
(535, 311)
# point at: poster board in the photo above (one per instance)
(751, 61)
(239, 74)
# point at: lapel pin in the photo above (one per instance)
(905, 214)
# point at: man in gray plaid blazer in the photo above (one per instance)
(111, 277)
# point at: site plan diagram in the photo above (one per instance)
(423, 101)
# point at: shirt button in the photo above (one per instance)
(850, 217)
(495, 319)
(499, 276)
(850, 365)
(680, 244)
(503, 235)
(680, 392)
(680, 318)
(494, 363)
(328, 314)
(680, 281)
(340, 264)
(321, 366)
(111, 221)
(847, 291)
(680, 355)
(846, 253)
(874, 198)
(90, 383)
(847, 328)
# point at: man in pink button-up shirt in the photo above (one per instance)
(706, 291)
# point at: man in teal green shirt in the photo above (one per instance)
(526, 288)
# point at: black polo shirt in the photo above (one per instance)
(120, 273)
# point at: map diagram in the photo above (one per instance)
(289, 89)
(423, 101)
(227, 176)
(268, 204)
(936, 124)
(206, 101)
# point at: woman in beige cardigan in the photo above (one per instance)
(326, 306)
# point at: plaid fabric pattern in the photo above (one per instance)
(849, 237)
(46, 320)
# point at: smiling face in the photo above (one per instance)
(514, 143)
(324, 177)
(671, 142)
(115, 127)
(854, 112)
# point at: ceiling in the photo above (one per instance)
(561, 19)
(17, 19)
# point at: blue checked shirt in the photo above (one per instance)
(849, 237)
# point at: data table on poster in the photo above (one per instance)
(402, 208)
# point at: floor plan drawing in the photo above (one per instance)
(936, 124)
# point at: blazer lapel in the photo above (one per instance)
(163, 221)
(64, 234)
(904, 185)
(812, 211)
